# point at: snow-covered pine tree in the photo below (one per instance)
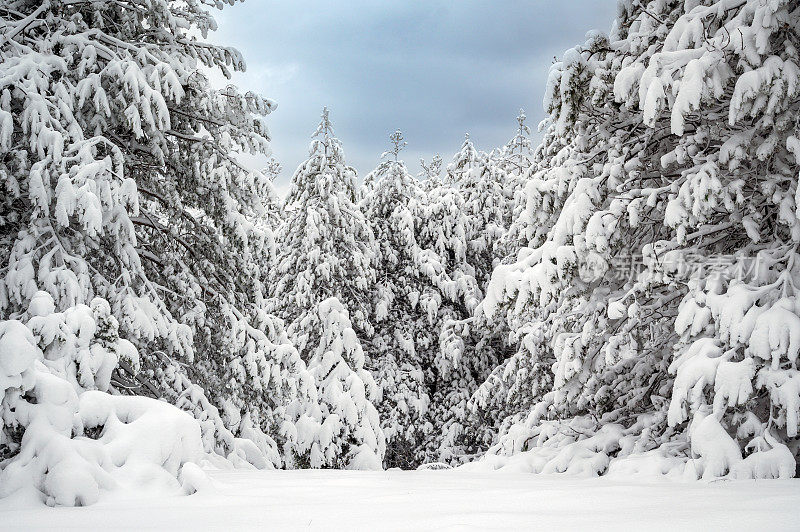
(464, 160)
(272, 169)
(349, 434)
(516, 157)
(325, 246)
(426, 242)
(120, 181)
(659, 285)
(519, 376)
(445, 237)
(487, 209)
(406, 308)
(476, 182)
(468, 354)
(431, 173)
(516, 161)
(273, 205)
(476, 199)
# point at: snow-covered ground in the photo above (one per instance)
(423, 500)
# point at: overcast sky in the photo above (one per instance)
(434, 69)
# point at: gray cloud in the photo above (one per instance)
(435, 69)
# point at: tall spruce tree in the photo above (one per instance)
(486, 207)
(516, 159)
(431, 173)
(445, 236)
(325, 247)
(406, 308)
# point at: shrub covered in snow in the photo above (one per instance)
(64, 438)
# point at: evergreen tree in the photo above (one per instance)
(349, 435)
(486, 207)
(325, 247)
(272, 216)
(121, 181)
(493, 191)
(444, 236)
(517, 159)
(406, 308)
(272, 169)
(472, 209)
(669, 145)
(431, 173)
(464, 160)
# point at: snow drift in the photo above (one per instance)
(66, 439)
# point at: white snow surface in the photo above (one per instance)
(427, 500)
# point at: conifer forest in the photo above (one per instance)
(612, 293)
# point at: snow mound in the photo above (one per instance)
(434, 466)
(64, 443)
(142, 436)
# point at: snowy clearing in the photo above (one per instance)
(420, 500)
